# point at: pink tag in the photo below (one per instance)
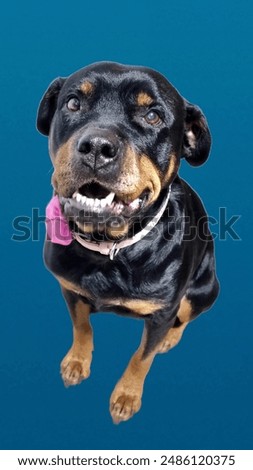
(56, 225)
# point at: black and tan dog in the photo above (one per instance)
(140, 241)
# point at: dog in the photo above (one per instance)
(125, 233)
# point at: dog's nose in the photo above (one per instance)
(99, 148)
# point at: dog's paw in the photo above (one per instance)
(124, 405)
(74, 369)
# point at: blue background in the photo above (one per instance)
(199, 396)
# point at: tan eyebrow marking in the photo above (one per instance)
(86, 87)
(143, 99)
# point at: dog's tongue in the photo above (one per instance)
(56, 225)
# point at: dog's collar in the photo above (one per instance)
(111, 249)
(58, 230)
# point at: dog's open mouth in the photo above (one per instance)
(95, 199)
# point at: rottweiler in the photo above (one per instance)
(125, 233)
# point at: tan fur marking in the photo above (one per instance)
(150, 177)
(86, 87)
(126, 398)
(143, 99)
(62, 176)
(75, 366)
(185, 310)
(172, 169)
(138, 174)
(142, 307)
(117, 232)
(111, 232)
(174, 335)
(172, 338)
(88, 228)
(73, 287)
(128, 180)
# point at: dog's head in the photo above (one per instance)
(116, 136)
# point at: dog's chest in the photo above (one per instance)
(117, 291)
(130, 289)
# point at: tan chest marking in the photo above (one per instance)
(142, 307)
(139, 306)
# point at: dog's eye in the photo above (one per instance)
(73, 104)
(152, 117)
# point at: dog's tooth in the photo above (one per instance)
(74, 195)
(79, 197)
(103, 202)
(84, 199)
(119, 207)
(90, 201)
(135, 204)
(97, 203)
(109, 198)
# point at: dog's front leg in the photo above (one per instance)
(126, 398)
(75, 366)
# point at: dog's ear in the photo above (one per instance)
(48, 105)
(197, 138)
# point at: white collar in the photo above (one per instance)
(111, 249)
